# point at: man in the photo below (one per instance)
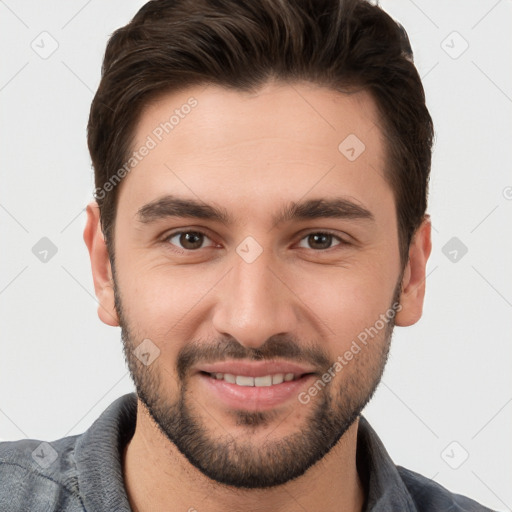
(259, 228)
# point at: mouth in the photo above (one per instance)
(259, 382)
(263, 392)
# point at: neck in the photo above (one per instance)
(157, 474)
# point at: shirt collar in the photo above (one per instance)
(384, 487)
(99, 457)
(99, 451)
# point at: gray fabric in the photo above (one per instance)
(86, 474)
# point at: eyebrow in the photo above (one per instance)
(173, 206)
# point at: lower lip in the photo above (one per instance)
(254, 398)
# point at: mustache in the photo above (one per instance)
(276, 347)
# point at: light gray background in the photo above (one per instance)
(448, 379)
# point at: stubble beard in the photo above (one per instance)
(235, 461)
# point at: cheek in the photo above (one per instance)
(167, 304)
(154, 286)
(345, 302)
(152, 303)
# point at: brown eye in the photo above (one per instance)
(187, 240)
(321, 240)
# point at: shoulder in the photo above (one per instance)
(38, 475)
(429, 496)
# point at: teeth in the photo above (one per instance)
(277, 378)
(243, 380)
(229, 378)
(263, 381)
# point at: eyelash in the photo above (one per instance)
(197, 231)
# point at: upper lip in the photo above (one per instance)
(255, 368)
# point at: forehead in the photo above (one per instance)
(282, 140)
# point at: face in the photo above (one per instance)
(257, 261)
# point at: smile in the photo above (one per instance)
(264, 381)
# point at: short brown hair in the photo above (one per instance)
(240, 44)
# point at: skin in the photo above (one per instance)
(252, 154)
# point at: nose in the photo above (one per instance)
(254, 302)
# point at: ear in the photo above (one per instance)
(413, 281)
(100, 264)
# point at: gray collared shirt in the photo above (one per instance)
(84, 472)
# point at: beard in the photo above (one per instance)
(235, 461)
